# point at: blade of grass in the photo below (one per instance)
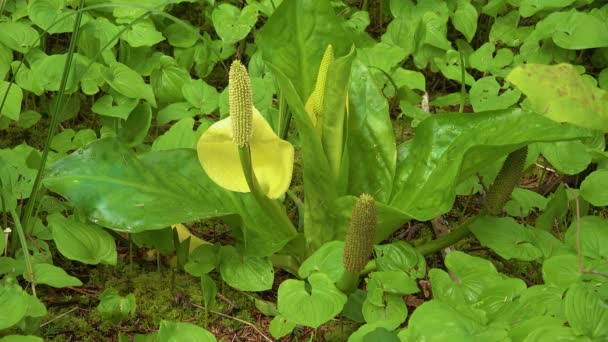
(463, 91)
(25, 249)
(61, 100)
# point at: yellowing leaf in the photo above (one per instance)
(272, 157)
(561, 94)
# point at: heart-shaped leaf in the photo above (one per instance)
(506, 237)
(310, 307)
(245, 273)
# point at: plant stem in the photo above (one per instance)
(285, 262)
(271, 207)
(348, 282)
(25, 249)
(463, 91)
(131, 256)
(447, 240)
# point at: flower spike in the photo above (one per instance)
(314, 105)
(241, 103)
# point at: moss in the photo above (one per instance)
(79, 325)
(338, 331)
(156, 300)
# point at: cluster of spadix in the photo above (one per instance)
(314, 104)
(361, 234)
(245, 129)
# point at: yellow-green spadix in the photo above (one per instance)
(314, 105)
(245, 127)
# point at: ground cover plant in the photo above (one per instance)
(304, 170)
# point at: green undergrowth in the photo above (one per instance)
(74, 316)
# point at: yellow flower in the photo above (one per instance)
(218, 148)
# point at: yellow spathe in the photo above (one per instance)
(271, 157)
(183, 233)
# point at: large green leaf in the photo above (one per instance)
(321, 189)
(117, 189)
(448, 149)
(292, 42)
(334, 115)
(295, 37)
(84, 242)
(370, 138)
(560, 93)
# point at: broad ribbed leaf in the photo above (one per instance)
(120, 190)
(370, 137)
(295, 37)
(448, 149)
(561, 94)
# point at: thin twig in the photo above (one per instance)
(58, 317)
(579, 253)
(236, 319)
(546, 168)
